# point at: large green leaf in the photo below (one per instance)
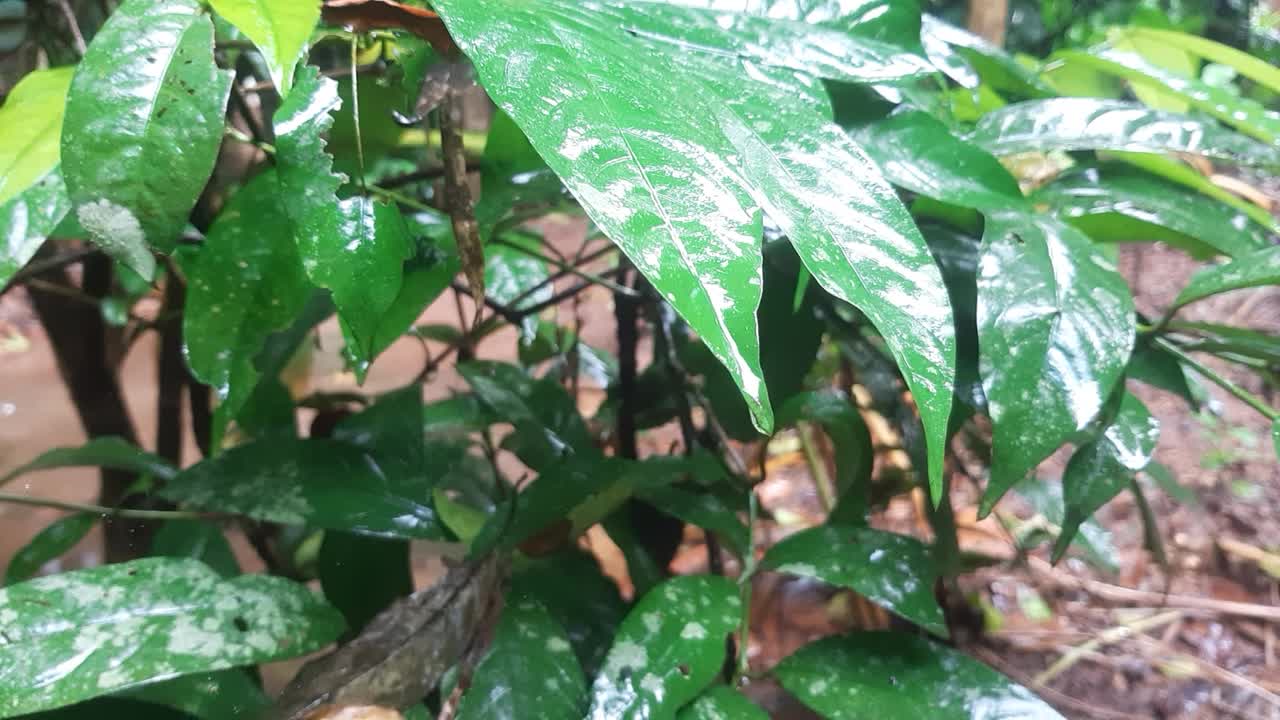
(52, 541)
(143, 125)
(80, 634)
(670, 646)
(896, 676)
(917, 152)
(31, 125)
(280, 29)
(1253, 270)
(29, 218)
(530, 664)
(951, 49)
(1091, 124)
(1228, 341)
(1254, 68)
(1243, 113)
(721, 702)
(355, 247)
(1055, 330)
(893, 570)
(362, 575)
(220, 695)
(315, 482)
(1177, 171)
(246, 283)
(571, 586)
(1099, 201)
(197, 539)
(638, 155)
(703, 508)
(107, 452)
(1100, 469)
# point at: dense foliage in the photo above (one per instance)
(806, 196)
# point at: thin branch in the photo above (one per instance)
(39, 267)
(73, 25)
(562, 265)
(1241, 394)
(126, 513)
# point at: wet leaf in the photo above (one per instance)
(365, 15)
(917, 152)
(571, 586)
(549, 428)
(402, 654)
(315, 482)
(354, 247)
(28, 219)
(1157, 367)
(1099, 201)
(851, 442)
(362, 575)
(76, 635)
(198, 540)
(892, 570)
(144, 121)
(107, 452)
(280, 28)
(51, 542)
(721, 702)
(1179, 172)
(1256, 69)
(246, 283)
(951, 49)
(1252, 270)
(221, 695)
(670, 646)
(1091, 124)
(1093, 541)
(897, 676)
(31, 125)
(512, 268)
(530, 664)
(703, 508)
(1103, 467)
(1243, 113)
(957, 255)
(1056, 327)
(1232, 343)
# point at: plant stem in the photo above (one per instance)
(817, 467)
(744, 581)
(561, 265)
(1241, 394)
(128, 513)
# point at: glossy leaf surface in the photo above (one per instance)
(571, 586)
(892, 570)
(280, 28)
(354, 247)
(28, 219)
(246, 283)
(1254, 68)
(1090, 124)
(1198, 224)
(647, 168)
(199, 540)
(896, 676)
(316, 482)
(220, 695)
(530, 664)
(108, 452)
(144, 121)
(1092, 540)
(670, 646)
(1253, 270)
(52, 541)
(1055, 330)
(31, 125)
(950, 48)
(79, 634)
(722, 703)
(1099, 470)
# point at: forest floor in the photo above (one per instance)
(1195, 640)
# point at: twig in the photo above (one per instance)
(1243, 395)
(562, 265)
(817, 467)
(1107, 637)
(118, 512)
(73, 25)
(40, 267)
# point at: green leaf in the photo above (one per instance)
(315, 482)
(280, 29)
(1177, 171)
(362, 575)
(144, 121)
(951, 48)
(80, 634)
(198, 540)
(703, 508)
(220, 695)
(1253, 270)
(1275, 435)
(511, 269)
(957, 256)
(851, 442)
(1227, 341)
(917, 152)
(530, 664)
(55, 539)
(1245, 114)
(670, 646)
(548, 426)
(1093, 540)
(720, 702)
(1056, 327)
(111, 707)
(246, 283)
(1106, 465)
(896, 675)
(354, 247)
(638, 155)
(1158, 367)
(571, 586)
(31, 125)
(107, 452)
(1256, 69)
(1164, 478)
(390, 430)
(28, 219)
(1094, 200)
(892, 570)
(1090, 124)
